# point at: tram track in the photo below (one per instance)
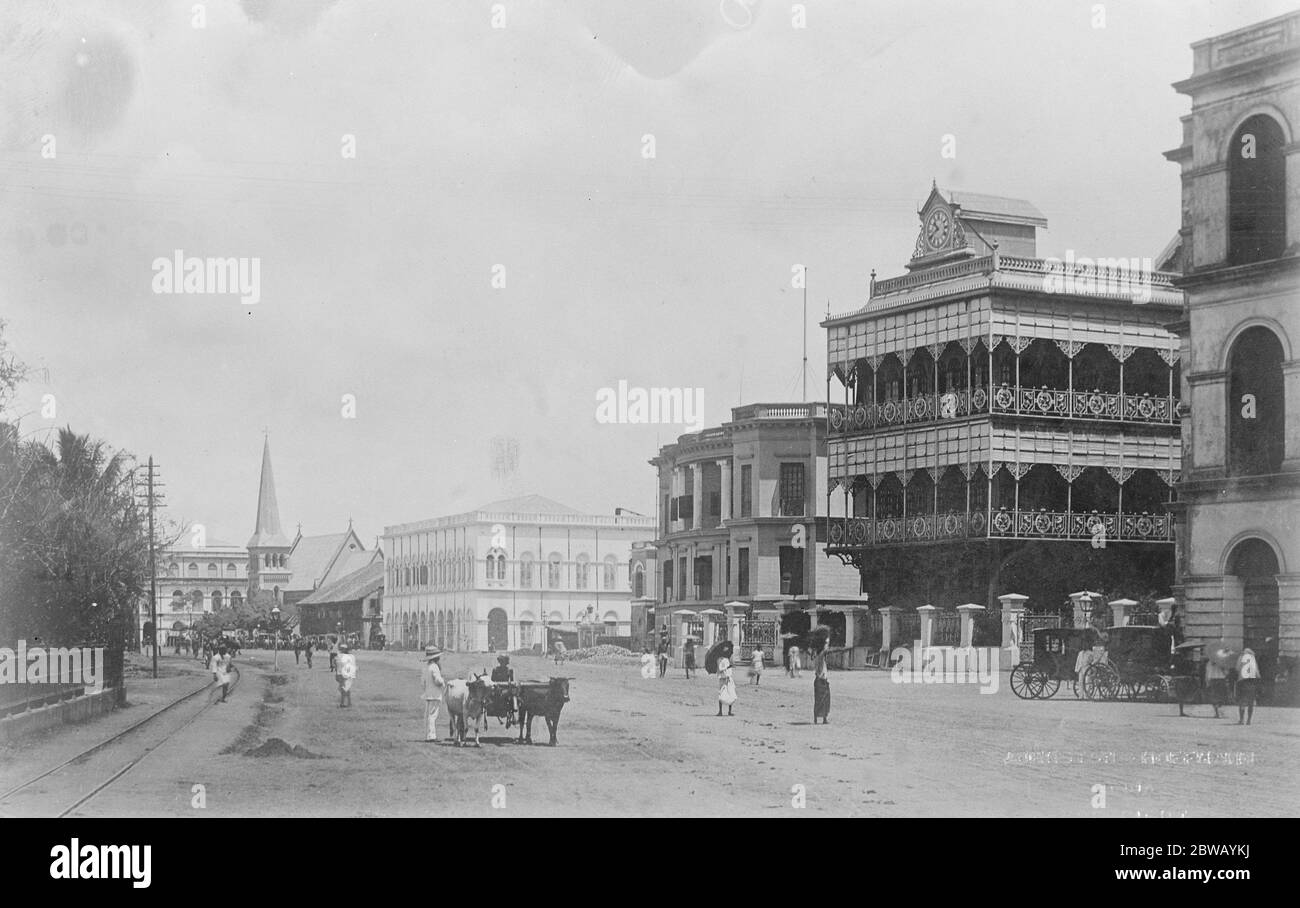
(134, 729)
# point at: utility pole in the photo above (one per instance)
(805, 334)
(152, 502)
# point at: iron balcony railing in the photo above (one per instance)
(1006, 399)
(847, 533)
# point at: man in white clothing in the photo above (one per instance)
(433, 690)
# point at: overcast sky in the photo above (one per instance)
(523, 147)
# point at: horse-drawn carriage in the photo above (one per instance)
(1055, 661)
(1139, 663)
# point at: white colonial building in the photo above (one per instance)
(494, 577)
(193, 580)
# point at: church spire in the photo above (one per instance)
(267, 533)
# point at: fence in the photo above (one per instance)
(868, 630)
(945, 629)
(987, 628)
(18, 698)
(907, 627)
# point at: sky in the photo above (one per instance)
(468, 218)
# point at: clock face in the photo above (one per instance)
(938, 228)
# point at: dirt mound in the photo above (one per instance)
(605, 654)
(277, 680)
(278, 747)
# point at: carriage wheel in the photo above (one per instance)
(1078, 688)
(1134, 690)
(1019, 681)
(1050, 687)
(1101, 682)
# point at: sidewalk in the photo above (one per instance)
(177, 676)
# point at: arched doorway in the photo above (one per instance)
(498, 630)
(1256, 191)
(1254, 563)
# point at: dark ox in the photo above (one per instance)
(466, 700)
(546, 698)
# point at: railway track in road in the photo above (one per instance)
(69, 770)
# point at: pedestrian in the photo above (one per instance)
(434, 686)
(688, 656)
(794, 662)
(297, 650)
(663, 658)
(726, 684)
(560, 651)
(334, 652)
(221, 671)
(1216, 684)
(308, 646)
(821, 687)
(345, 672)
(1247, 685)
(756, 666)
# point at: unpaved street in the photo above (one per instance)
(655, 747)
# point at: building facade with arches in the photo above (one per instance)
(1239, 253)
(194, 579)
(496, 577)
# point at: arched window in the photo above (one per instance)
(1256, 403)
(638, 581)
(217, 600)
(582, 572)
(212, 570)
(611, 571)
(1256, 192)
(231, 570)
(526, 569)
(236, 599)
(196, 600)
(193, 569)
(173, 570)
(553, 571)
(424, 575)
(178, 599)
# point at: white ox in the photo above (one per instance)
(466, 700)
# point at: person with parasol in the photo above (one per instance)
(718, 660)
(818, 640)
(1221, 658)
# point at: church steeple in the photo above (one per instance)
(267, 533)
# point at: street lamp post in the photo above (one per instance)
(275, 659)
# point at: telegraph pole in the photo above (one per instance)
(151, 502)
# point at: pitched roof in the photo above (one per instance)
(318, 560)
(354, 586)
(977, 206)
(267, 532)
(528, 504)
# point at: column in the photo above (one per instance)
(697, 495)
(849, 627)
(887, 634)
(725, 466)
(927, 624)
(1120, 610)
(968, 613)
(1013, 609)
(1288, 604)
(1291, 440)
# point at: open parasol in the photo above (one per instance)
(716, 652)
(1223, 655)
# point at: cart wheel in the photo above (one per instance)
(1050, 687)
(1134, 691)
(1101, 682)
(1035, 679)
(1078, 688)
(1019, 682)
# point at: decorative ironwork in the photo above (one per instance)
(968, 344)
(979, 399)
(1020, 343)
(1004, 399)
(921, 407)
(1120, 351)
(1069, 472)
(1003, 522)
(1070, 348)
(860, 416)
(977, 523)
(837, 418)
(1018, 470)
(1120, 474)
(1170, 355)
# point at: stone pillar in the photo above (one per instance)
(887, 635)
(1013, 608)
(697, 496)
(1082, 602)
(1288, 603)
(849, 616)
(969, 612)
(725, 466)
(1120, 610)
(927, 624)
(1291, 441)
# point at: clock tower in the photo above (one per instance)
(961, 225)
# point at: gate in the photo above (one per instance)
(757, 632)
(1027, 623)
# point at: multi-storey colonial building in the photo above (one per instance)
(1239, 552)
(195, 579)
(739, 509)
(495, 577)
(991, 400)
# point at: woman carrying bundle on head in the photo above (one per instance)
(820, 637)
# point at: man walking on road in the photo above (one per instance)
(433, 690)
(345, 672)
